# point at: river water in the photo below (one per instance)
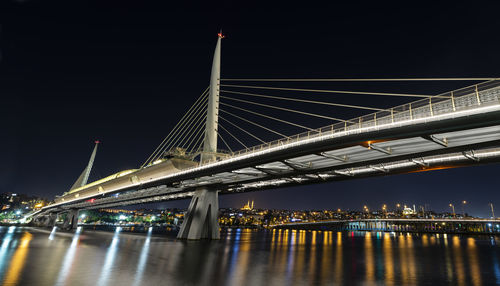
(30, 256)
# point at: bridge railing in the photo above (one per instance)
(482, 94)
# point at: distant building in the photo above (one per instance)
(247, 207)
(117, 211)
(409, 211)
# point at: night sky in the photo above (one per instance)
(129, 73)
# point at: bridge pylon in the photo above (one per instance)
(210, 140)
(202, 218)
(51, 220)
(71, 221)
(84, 177)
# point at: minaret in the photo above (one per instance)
(84, 177)
(210, 142)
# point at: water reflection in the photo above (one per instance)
(234, 252)
(327, 263)
(298, 257)
(53, 233)
(459, 262)
(413, 278)
(247, 257)
(139, 273)
(18, 260)
(449, 270)
(110, 257)
(402, 258)
(475, 269)
(290, 256)
(496, 267)
(241, 258)
(69, 257)
(4, 249)
(388, 259)
(425, 240)
(369, 259)
(338, 259)
(312, 258)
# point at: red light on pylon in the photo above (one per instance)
(221, 35)
(97, 142)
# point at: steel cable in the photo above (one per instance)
(182, 129)
(286, 109)
(256, 124)
(267, 116)
(234, 137)
(331, 91)
(303, 100)
(176, 126)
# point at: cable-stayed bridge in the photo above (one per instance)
(452, 129)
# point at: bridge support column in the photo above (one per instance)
(51, 220)
(41, 220)
(202, 218)
(71, 221)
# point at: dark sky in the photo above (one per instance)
(129, 73)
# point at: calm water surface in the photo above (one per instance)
(31, 256)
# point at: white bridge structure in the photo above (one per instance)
(453, 129)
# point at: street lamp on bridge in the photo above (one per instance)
(453, 209)
(463, 208)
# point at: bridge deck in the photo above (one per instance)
(444, 131)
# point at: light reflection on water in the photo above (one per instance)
(108, 262)
(388, 260)
(4, 249)
(53, 233)
(459, 261)
(496, 266)
(246, 257)
(338, 259)
(475, 269)
(369, 259)
(18, 260)
(139, 273)
(67, 262)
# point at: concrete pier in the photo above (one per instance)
(202, 218)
